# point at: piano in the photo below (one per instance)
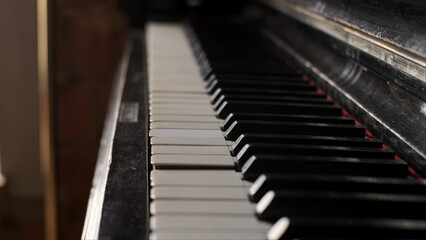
(271, 119)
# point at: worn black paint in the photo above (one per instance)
(125, 211)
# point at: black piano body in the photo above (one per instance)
(368, 56)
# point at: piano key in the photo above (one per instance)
(179, 106)
(180, 100)
(274, 99)
(192, 161)
(292, 76)
(344, 228)
(191, 207)
(183, 125)
(193, 192)
(174, 89)
(297, 86)
(264, 107)
(174, 78)
(275, 204)
(268, 64)
(200, 96)
(265, 64)
(304, 139)
(240, 127)
(178, 86)
(267, 182)
(184, 133)
(313, 150)
(191, 81)
(262, 92)
(284, 164)
(247, 62)
(182, 118)
(190, 150)
(196, 178)
(217, 234)
(193, 141)
(194, 173)
(159, 222)
(164, 79)
(173, 64)
(173, 69)
(258, 71)
(284, 118)
(188, 111)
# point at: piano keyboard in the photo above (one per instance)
(243, 148)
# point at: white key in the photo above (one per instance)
(178, 88)
(196, 180)
(183, 125)
(199, 112)
(178, 83)
(185, 192)
(203, 234)
(205, 222)
(172, 64)
(190, 150)
(179, 100)
(184, 133)
(169, 69)
(202, 207)
(176, 78)
(193, 161)
(199, 181)
(196, 141)
(173, 79)
(179, 95)
(157, 174)
(182, 118)
(179, 106)
(185, 90)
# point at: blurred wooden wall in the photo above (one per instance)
(21, 198)
(89, 37)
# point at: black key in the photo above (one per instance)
(286, 83)
(271, 181)
(273, 99)
(229, 65)
(305, 140)
(305, 164)
(334, 228)
(250, 84)
(259, 70)
(213, 59)
(284, 118)
(240, 127)
(249, 62)
(251, 149)
(279, 203)
(291, 76)
(269, 107)
(262, 92)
